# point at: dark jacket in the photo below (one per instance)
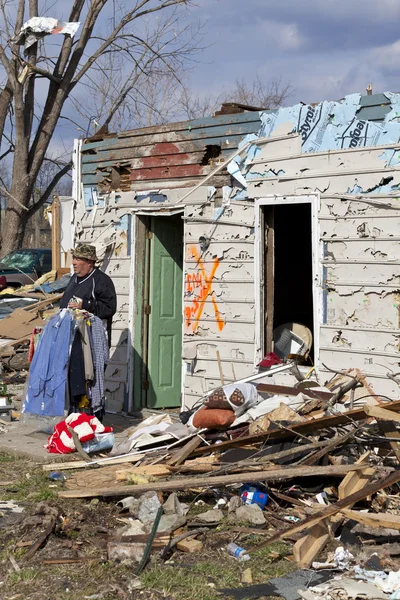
(97, 292)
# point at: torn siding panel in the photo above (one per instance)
(363, 248)
(371, 339)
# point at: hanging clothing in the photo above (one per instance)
(98, 296)
(100, 356)
(49, 369)
(83, 326)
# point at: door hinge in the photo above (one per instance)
(149, 235)
(147, 309)
(145, 385)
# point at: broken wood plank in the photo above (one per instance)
(307, 548)
(186, 483)
(81, 464)
(316, 456)
(284, 390)
(351, 484)
(334, 509)
(384, 412)
(182, 453)
(373, 519)
(152, 470)
(389, 430)
(41, 539)
(291, 431)
(78, 445)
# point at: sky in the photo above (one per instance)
(325, 50)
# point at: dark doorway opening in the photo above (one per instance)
(288, 268)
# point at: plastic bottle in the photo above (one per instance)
(238, 552)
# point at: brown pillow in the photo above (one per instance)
(213, 418)
(217, 400)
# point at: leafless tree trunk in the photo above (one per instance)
(26, 132)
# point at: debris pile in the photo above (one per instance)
(315, 467)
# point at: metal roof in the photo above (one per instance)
(181, 154)
(176, 154)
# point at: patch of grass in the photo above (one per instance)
(4, 458)
(32, 485)
(182, 583)
(24, 575)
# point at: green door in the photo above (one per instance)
(165, 320)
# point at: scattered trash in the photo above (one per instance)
(237, 552)
(253, 495)
(57, 476)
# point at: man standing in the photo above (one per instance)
(89, 288)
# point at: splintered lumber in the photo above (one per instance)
(373, 519)
(181, 455)
(41, 539)
(389, 430)
(307, 548)
(381, 412)
(316, 456)
(351, 484)
(151, 470)
(291, 431)
(81, 464)
(187, 483)
(283, 390)
(334, 509)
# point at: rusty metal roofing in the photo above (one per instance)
(181, 154)
(172, 155)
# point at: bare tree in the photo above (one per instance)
(27, 126)
(260, 93)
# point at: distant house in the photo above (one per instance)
(211, 254)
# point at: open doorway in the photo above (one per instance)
(288, 268)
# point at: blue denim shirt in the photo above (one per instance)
(49, 369)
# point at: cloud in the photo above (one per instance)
(282, 36)
(325, 50)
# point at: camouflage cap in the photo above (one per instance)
(85, 251)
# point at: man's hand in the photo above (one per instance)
(75, 303)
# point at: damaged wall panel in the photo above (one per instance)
(359, 243)
(219, 302)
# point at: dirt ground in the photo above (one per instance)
(82, 530)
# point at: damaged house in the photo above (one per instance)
(217, 231)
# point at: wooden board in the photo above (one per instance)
(187, 483)
(384, 412)
(373, 519)
(151, 470)
(307, 549)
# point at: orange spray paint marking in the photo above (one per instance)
(202, 283)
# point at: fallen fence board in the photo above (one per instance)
(187, 483)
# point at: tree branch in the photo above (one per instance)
(46, 194)
(131, 16)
